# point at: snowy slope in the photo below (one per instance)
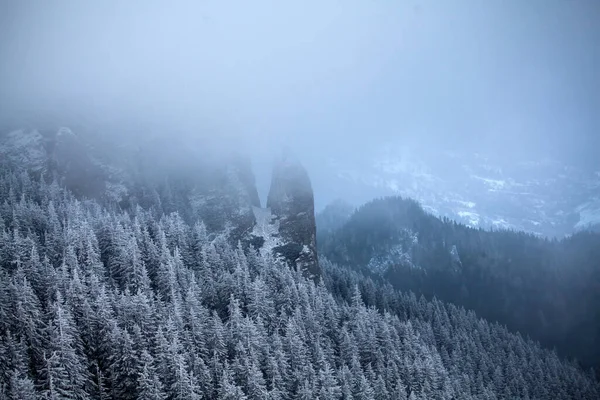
(266, 227)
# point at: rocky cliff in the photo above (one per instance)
(224, 197)
(291, 201)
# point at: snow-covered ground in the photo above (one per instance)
(266, 227)
(589, 214)
(470, 216)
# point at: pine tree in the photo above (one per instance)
(328, 386)
(64, 372)
(305, 391)
(180, 384)
(380, 390)
(148, 382)
(184, 387)
(260, 303)
(13, 360)
(124, 365)
(27, 314)
(228, 390)
(139, 280)
(362, 389)
(54, 243)
(255, 387)
(22, 388)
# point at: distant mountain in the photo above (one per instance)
(544, 197)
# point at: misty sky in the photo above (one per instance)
(329, 78)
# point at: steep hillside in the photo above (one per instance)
(546, 289)
(333, 216)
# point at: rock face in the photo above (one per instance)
(77, 167)
(224, 197)
(291, 201)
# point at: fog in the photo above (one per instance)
(330, 79)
